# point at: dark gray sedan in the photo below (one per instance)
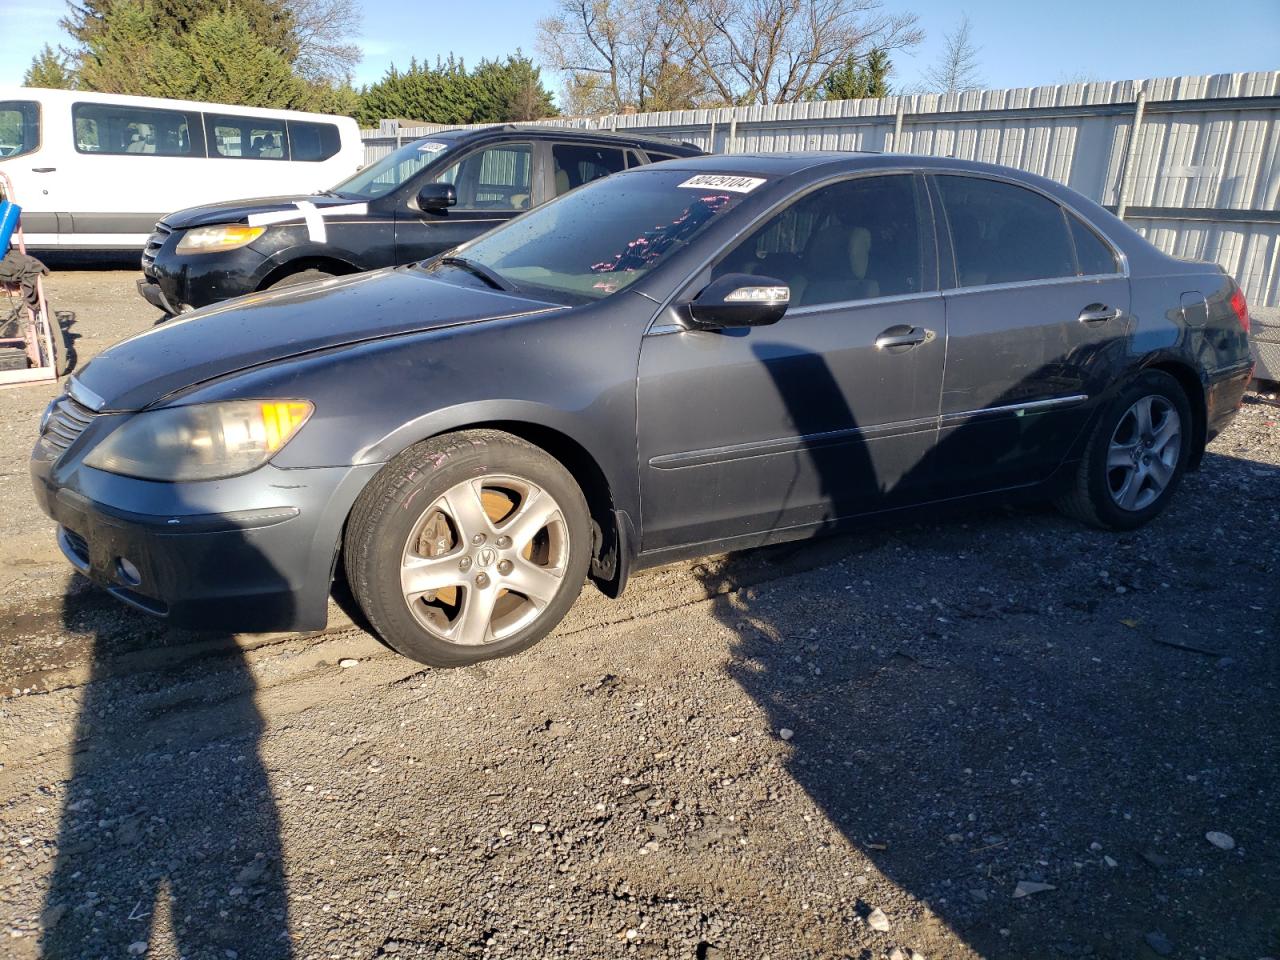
(691, 357)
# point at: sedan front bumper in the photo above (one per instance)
(262, 568)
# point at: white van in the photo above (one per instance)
(95, 171)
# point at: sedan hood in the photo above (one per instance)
(239, 211)
(264, 327)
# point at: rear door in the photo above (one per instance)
(494, 184)
(1037, 310)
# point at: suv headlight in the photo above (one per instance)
(226, 236)
(203, 441)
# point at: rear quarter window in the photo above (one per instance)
(19, 127)
(312, 142)
(1092, 254)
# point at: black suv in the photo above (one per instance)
(423, 198)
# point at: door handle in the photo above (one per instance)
(43, 169)
(903, 336)
(1098, 313)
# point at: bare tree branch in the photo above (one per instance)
(957, 69)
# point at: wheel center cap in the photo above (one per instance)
(485, 556)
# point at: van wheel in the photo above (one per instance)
(1135, 458)
(302, 276)
(470, 546)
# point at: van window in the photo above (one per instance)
(19, 127)
(313, 142)
(248, 138)
(109, 128)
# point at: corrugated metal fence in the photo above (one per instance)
(1191, 162)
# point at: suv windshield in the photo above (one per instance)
(604, 236)
(19, 127)
(397, 167)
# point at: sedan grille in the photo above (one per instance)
(154, 243)
(66, 422)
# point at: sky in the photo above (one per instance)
(1022, 44)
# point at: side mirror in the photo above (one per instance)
(739, 300)
(437, 196)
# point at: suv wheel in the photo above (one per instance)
(467, 547)
(1136, 456)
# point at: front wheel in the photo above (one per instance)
(1136, 456)
(467, 547)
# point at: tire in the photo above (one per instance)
(302, 276)
(1131, 467)
(429, 588)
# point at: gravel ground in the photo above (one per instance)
(992, 735)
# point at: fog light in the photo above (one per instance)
(128, 572)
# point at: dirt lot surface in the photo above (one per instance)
(996, 735)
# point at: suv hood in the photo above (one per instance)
(265, 327)
(239, 211)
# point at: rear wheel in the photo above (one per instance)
(468, 547)
(1136, 456)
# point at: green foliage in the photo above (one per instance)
(49, 70)
(493, 92)
(859, 78)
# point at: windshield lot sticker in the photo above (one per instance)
(719, 181)
(432, 146)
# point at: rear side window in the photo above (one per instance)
(575, 165)
(659, 157)
(1004, 233)
(112, 129)
(19, 127)
(1093, 256)
(246, 138)
(312, 142)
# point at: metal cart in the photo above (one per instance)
(40, 356)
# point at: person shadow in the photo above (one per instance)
(169, 832)
(966, 754)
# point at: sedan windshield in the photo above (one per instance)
(383, 176)
(604, 236)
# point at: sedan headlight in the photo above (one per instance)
(204, 441)
(226, 236)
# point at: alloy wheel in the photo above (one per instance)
(1142, 457)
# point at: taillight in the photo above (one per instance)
(1241, 308)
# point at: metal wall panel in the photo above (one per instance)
(1209, 144)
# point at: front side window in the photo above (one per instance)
(600, 239)
(575, 165)
(1004, 233)
(393, 171)
(496, 178)
(111, 129)
(312, 142)
(19, 127)
(248, 138)
(853, 240)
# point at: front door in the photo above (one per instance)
(743, 432)
(494, 184)
(1035, 324)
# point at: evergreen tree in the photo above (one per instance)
(859, 78)
(49, 69)
(493, 92)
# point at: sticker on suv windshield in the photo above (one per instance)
(431, 146)
(720, 181)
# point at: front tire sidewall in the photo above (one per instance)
(407, 486)
(1149, 384)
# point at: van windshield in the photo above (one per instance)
(19, 127)
(602, 237)
(393, 170)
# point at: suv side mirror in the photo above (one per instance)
(739, 300)
(437, 196)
